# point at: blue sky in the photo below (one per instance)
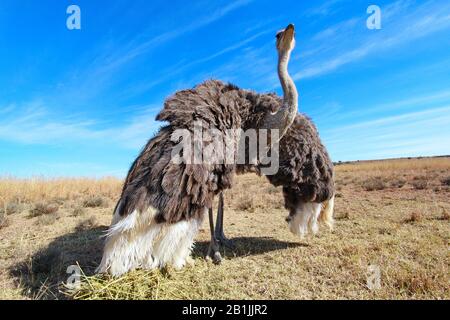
(83, 102)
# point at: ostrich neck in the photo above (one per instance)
(290, 95)
(285, 115)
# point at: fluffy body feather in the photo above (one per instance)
(163, 201)
(306, 170)
(181, 191)
(306, 174)
(159, 194)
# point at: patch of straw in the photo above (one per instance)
(139, 285)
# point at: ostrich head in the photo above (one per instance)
(286, 40)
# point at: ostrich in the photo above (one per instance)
(163, 203)
(306, 174)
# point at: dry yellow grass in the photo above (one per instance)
(397, 164)
(62, 189)
(402, 230)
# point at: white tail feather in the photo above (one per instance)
(308, 214)
(137, 241)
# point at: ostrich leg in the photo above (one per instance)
(218, 232)
(213, 250)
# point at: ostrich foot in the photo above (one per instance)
(214, 253)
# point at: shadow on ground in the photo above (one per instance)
(41, 276)
(247, 246)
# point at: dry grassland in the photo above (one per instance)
(393, 215)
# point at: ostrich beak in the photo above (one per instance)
(289, 32)
(285, 38)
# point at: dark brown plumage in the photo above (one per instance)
(164, 200)
(306, 170)
(306, 174)
(182, 191)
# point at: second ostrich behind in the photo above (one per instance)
(307, 176)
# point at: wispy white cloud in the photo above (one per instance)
(138, 47)
(103, 65)
(426, 101)
(336, 29)
(253, 66)
(7, 109)
(183, 66)
(35, 125)
(325, 9)
(405, 134)
(400, 26)
(441, 114)
(339, 45)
